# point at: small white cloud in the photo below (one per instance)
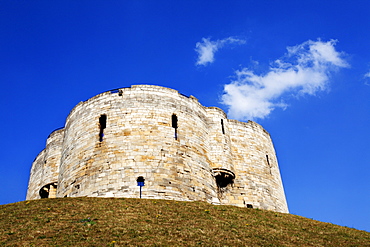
(367, 78)
(304, 70)
(207, 48)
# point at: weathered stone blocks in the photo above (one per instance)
(184, 151)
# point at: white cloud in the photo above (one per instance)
(367, 78)
(207, 48)
(305, 69)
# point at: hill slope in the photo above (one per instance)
(123, 222)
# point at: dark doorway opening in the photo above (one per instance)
(223, 178)
(48, 191)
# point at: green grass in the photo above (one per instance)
(138, 222)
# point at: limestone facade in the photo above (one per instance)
(183, 150)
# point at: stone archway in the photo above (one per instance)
(49, 190)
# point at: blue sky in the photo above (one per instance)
(299, 68)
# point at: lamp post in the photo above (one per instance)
(140, 182)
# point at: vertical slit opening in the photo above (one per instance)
(174, 124)
(222, 126)
(268, 161)
(102, 126)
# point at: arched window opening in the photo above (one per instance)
(102, 126)
(174, 124)
(223, 178)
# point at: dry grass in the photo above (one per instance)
(135, 222)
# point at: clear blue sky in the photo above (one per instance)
(299, 68)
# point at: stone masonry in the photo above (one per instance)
(183, 150)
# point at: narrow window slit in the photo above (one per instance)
(102, 126)
(268, 163)
(174, 124)
(222, 126)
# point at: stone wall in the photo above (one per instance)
(183, 150)
(258, 181)
(45, 168)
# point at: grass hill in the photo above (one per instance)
(140, 222)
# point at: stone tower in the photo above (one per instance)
(183, 151)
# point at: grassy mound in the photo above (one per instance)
(138, 222)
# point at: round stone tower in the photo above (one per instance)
(182, 150)
(45, 168)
